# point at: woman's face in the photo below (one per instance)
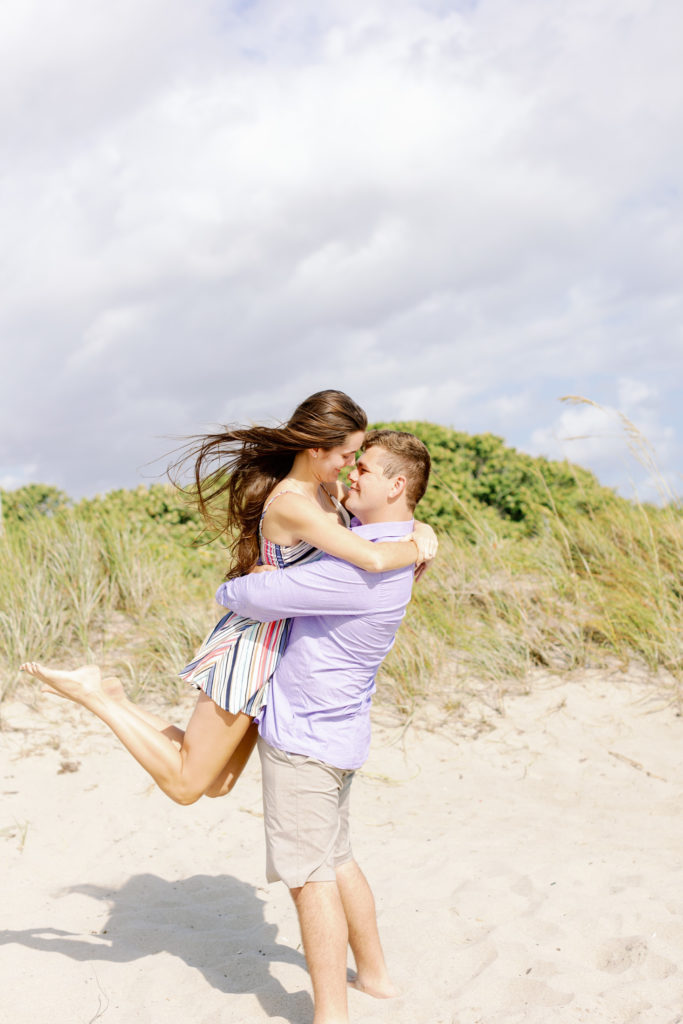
(331, 461)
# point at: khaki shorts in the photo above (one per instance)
(306, 817)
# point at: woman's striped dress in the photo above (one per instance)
(239, 655)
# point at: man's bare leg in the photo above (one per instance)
(325, 937)
(183, 772)
(359, 907)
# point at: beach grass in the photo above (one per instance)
(585, 578)
(78, 587)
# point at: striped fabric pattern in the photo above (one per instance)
(239, 656)
(236, 660)
(283, 557)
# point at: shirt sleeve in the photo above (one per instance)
(327, 586)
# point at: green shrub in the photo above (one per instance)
(538, 565)
(476, 477)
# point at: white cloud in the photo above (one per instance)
(628, 445)
(507, 410)
(635, 394)
(213, 209)
(584, 434)
(438, 402)
(17, 477)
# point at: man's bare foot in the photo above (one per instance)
(380, 989)
(77, 686)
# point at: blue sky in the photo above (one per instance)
(453, 211)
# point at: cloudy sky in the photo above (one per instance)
(455, 210)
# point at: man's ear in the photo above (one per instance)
(398, 486)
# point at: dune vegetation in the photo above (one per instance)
(539, 565)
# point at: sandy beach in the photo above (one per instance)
(528, 867)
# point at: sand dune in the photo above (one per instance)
(528, 867)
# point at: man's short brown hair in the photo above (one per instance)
(406, 455)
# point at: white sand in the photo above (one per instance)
(531, 873)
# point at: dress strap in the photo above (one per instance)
(342, 511)
(285, 490)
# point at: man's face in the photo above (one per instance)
(368, 487)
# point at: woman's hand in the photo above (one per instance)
(262, 568)
(427, 545)
(426, 542)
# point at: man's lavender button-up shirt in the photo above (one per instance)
(344, 624)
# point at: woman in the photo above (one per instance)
(284, 502)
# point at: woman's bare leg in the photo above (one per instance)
(230, 773)
(184, 773)
(113, 687)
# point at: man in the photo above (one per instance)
(315, 730)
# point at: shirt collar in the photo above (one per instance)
(375, 531)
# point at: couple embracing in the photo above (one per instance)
(292, 664)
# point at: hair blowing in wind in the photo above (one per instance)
(234, 470)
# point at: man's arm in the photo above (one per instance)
(325, 587)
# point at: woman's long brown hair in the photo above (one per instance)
(235, 470)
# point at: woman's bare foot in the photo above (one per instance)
(380, 989)
(77, 686)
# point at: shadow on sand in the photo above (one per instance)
(150, 915)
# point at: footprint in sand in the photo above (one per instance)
(659, 968)
(617, 955)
